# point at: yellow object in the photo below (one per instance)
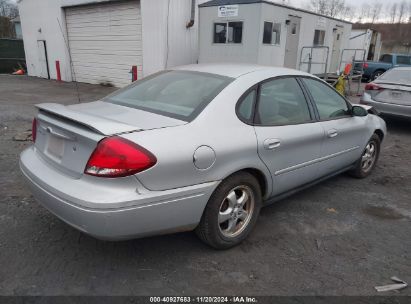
(340, 85)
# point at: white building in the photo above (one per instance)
(98, 41)
(259, 31)
(368, 40)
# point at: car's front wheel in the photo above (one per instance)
(231, 211)
(368, 159)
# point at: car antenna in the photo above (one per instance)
(73, 73)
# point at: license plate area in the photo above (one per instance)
(396, 94)
(55, 147)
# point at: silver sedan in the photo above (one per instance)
(199, 147)
(390, 93)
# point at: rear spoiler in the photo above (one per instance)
(98, 124)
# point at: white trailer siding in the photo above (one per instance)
(105, 42)
(167, 41)
(156, 49)
(252, 49)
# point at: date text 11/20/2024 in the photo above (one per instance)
(234, 299)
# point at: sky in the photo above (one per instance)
(358, 3)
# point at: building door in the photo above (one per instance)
(105, 42)
(291, 45)
(336, 51)
(43, 70)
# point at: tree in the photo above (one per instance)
(375, 11)
(393, 12)
(8, 9)
(402, 11)
(332, 8)
(319, 6)
(364, 13)
(348, 13)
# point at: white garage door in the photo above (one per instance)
(105, 42)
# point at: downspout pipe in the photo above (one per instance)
(193, 12)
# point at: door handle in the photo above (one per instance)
(271, 143)
(332, 133)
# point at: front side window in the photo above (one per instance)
(319, 37)
(176, 94)
(228, 32)
(330, 104)
(271, 33)
(282, 102)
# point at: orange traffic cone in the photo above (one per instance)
(19, 72)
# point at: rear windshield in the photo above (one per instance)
(177, 94)
(397, 76)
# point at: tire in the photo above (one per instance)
(377, 74)
(225, 223)
(363, 169)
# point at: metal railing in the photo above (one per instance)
(310, 61)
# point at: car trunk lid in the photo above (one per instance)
(393, 93)
(67, 135)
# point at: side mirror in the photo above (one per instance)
(358, 111)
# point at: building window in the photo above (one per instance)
(220, 30)
(319, 37)
(293, 28)
(271, 33)
(228, 32)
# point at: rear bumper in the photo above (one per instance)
(113, 209)
(386, 108)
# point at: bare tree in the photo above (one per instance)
(375, 11)
(319, 6)
(393, 12)
(8, 9)
(364, 13)
(347, 13)
(332, 8)
(402, 11)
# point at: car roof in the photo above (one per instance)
(235, 70)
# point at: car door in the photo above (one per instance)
(288, 136)
(345, 135)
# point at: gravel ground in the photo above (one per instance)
(341, 237)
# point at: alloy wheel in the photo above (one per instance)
(236, 211)
(368, 157)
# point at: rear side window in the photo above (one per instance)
(246, 106)
(282, 102)
(386, 58)
(330, 104)
(404, 60)
(177, 94)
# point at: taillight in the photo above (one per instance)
(372, 87)
(34, 129)
(365, 65)
(117, 157)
